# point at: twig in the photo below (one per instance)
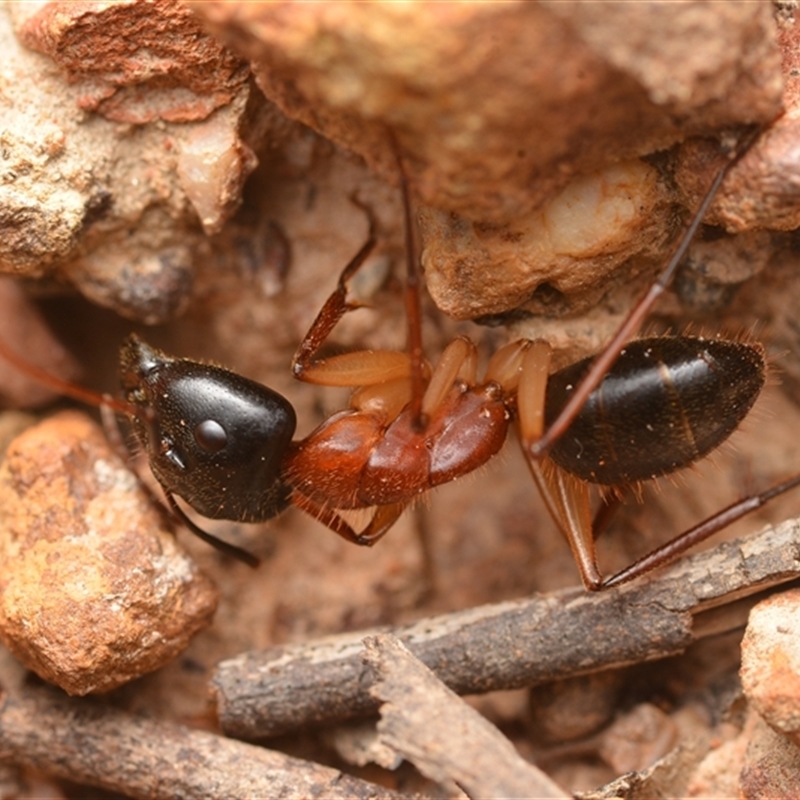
(447, 740)
(89, 742)
(512, 644)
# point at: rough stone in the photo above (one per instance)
(564, 711)
(771, 662)
(638, 739)
(568, 249)
(93, 590)
(771, 766)
(133, 61)
(499, 105)
(515, 124)
(123, 152)
(762, 191)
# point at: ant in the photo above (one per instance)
(638, 410)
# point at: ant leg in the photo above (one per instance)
(224, 547)
(108, 417)
(113, 432)
(336, 306)
(360, 368)
(350, 369)
(314, 465)
(636, 317)
(699, 533)
(367, 368)
(567, 500)
(413, 304)
(566, 497)
(383, 519)
(458, 361)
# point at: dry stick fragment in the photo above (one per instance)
(447, 740)
(88, 742)
(512, 644)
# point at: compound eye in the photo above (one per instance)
(211, 436)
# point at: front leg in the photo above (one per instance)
(363, 368)
(336, 306)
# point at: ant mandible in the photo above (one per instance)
(224, 443)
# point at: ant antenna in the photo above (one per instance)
(66, 388)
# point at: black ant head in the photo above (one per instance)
(212, 437)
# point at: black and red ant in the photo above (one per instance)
(639, 410)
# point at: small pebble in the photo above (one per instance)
(770, 669)
(94, 590)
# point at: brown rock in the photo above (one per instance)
(563, 711)
(521, 126)
(638, 739)
(714, 268)
(717, 775)
(771, 662)
(762, 191)
(114, 208)
(93, 590)
(134, 61)
(498, 104)
(772, 767)
(556, 259)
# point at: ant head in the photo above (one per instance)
(212, 437)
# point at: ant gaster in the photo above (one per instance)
(638, 410)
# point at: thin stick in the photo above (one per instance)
(508, 645)
(419, 713)
(88, 742)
